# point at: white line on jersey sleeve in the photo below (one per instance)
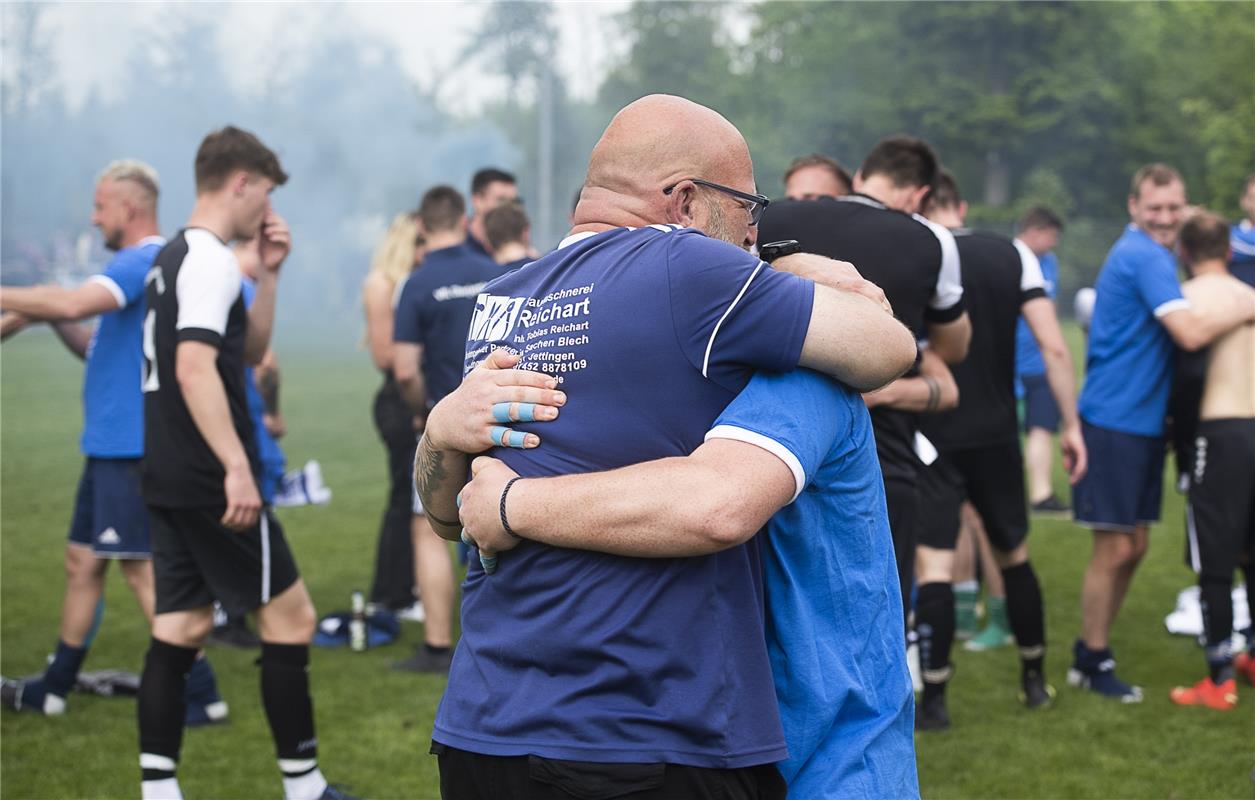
(767, 443)
(207, 286)
(1164, 309)
(119, 296)
(949, 289)
(1030, 268)
(710, 344)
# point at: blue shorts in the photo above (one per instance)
(1124, 485)
(110, 516)
(1040, 408)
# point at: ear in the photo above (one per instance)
(1132, 204)
(239, 181)
(917, 196)
(962, 209)
(680, 203)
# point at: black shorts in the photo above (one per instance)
(1220, 516)
(992, 478)
(197, 560)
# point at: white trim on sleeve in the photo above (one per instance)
(710, 344)
(112, 286)
(1030, 268)
(767, 443)
(1164, 309)
(208, 283)
(949, 289)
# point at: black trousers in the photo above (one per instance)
(470, 776)
(393, 585)
(902, 499)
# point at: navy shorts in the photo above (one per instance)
(1124, 485)
(109, 512)
(1040, 408)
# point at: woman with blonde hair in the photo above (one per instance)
(397, 255)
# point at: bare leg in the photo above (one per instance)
(84, 586)
(1038, 463)
(433, 574)
(289, 618)
(139, 576)
(964, 551)
(1106, 582)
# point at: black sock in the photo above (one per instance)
(434, 650)
(162, 708)
(289, 708)
(1027, 615)
(1215, 596)
(934, 624)
(1248, 572)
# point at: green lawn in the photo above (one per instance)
(374, 724)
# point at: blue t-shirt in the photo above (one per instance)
(435, 308)
(1028, 359)
(113, 403)
(572, 654)
(1128, 363)
(269, 453)
(834, 613)
(1242, 243)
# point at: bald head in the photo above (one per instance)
(654, 143)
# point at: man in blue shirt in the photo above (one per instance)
(646, 674)
(509, 235)
(110, 521)
(429, 346)
(1039, 231)
(1242, 237)
(1139, 313)
(490, 187)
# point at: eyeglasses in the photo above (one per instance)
(756, 204)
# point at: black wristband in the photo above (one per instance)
(505, 523)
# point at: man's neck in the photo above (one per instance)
(476, 228)
(947, 218)
(1212, 266)
(441, 240)
(511, 251)
(212, 217)
(139, 231)
(881, 189)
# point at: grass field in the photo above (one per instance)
(374, 724)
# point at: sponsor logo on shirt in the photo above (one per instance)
(495, 316)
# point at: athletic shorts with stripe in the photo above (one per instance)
(992, 478)
(1220, 517)
(197, 560)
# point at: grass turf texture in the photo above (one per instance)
(374, 724)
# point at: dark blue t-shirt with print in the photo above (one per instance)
(571, 654)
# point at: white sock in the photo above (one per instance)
(53, 705)
(164, 789)
(309, 786)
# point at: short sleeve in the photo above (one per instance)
(1158, 286)
(798, 417)
(732, 312)
(124, 277)
(1032, 283)
(206, 288)
(946, 304)
(408, 322)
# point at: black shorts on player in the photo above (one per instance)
(992, 478)
(198, 560)
(1221, 513)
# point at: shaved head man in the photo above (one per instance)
(579, 647)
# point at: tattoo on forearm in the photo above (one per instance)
(429, 470)
(268, 387)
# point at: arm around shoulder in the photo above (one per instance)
(855, 340)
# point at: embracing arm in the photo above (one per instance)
(934, 389)
(11, 322)
(53, 303)
(75, 336)
(716, 498)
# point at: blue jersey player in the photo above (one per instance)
(110, 521)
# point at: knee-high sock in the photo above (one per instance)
(162, 709)
(1027, 615)
(1215, 596)
(934, 624)
(290, 711)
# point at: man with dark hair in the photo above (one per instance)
(814, 176)
(1220, 517)
(1242, 236)
(608, 675)
(919, 272)
(1039, 231)
(110, 522)
(509, 235)
(213, 538)
(490, 187)
(1139, 313)
(429, 344)
(979, 448)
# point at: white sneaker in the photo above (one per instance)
(412, 613)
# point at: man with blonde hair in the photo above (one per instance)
(110, 522)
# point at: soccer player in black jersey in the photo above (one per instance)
(916, 264)
(979, 452)
(212, 537)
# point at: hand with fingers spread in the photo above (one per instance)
(475, 416)
(483, 509)
(243, 500)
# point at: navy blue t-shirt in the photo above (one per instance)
(572, 654)
(435, 309)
